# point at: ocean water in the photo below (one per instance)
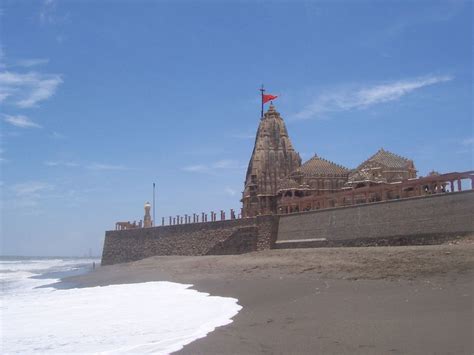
(150, 317)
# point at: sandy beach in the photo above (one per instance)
(376, 300)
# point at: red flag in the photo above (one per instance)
(268, 97)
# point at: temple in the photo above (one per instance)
(273, 158)
(277, 182)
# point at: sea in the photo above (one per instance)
(37, 317)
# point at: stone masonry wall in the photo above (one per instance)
(184, 239)
(267, 231)
(422, 220)
(419, 220)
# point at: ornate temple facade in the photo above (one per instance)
(277, 182)
(273, 158)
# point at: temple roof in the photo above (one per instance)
(288, 183)
(273, 155)
(364, 175)
(389, 160)
(317, 166)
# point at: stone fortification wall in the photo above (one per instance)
(221, 237)
(421, 220)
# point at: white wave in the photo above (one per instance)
(40, 264)
(151, 317)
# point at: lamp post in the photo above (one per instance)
(153, 205)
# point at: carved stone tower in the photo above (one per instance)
(273, 158)
(147, 218)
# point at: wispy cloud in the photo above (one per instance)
(2, 159)
(28, 194)
(100, 166)
(466, 146)
(21, 121)
(88, 166)
(468, 142)
(364, 97)
(244, 135)
(27, 90)
(47, 14)
(196, 168)
(2, 58)
(226, 164)
(28, 63)
(230, 191)
(57, 135)
(61, 164)
(443, 11)
(220, 165)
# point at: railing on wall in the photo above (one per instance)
(202, 217)
(424, 186)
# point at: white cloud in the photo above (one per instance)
(2, 159)
(28, 194)
(224, 164)
(196, 168)
(468, 141)
(28, 63)
(89, 166)
(30, 188)
(361, 98)
(230, 191)
(2, 58)
(47, 13)
(61, 163)
(21, 121)
(27, 90)
(100, 166)
(244, 135)
(57, 135)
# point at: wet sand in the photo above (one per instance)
(376, 300)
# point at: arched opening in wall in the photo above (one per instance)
(327, 184)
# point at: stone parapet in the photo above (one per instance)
(184, 239)
(421, 220)
(443, 215)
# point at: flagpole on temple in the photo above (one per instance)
(262, 90)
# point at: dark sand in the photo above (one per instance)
(378, 300)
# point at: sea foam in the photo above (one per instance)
(151, 317)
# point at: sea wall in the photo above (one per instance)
(221, 237)
(420, 220)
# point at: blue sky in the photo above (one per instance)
(100, 99)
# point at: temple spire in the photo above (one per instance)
(273, 158)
